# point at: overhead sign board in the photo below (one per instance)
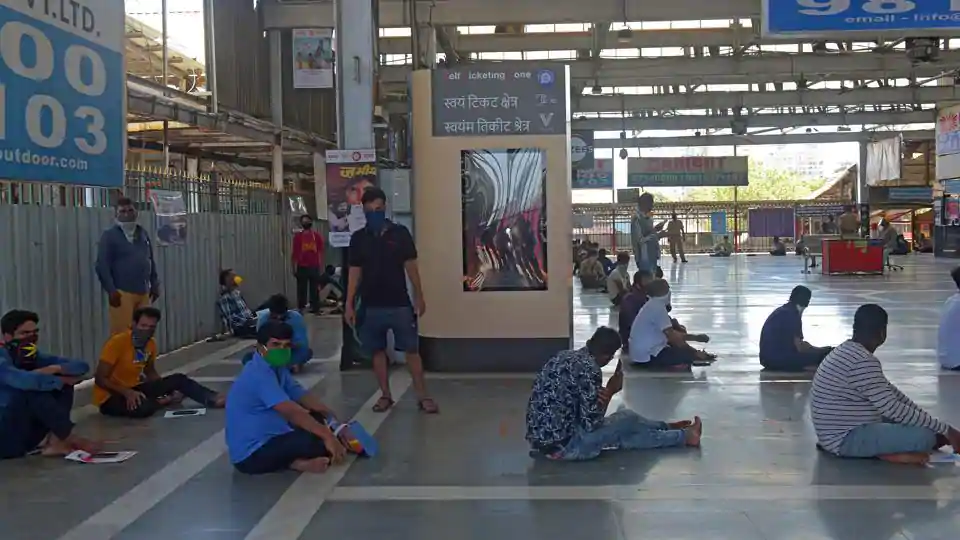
(599, 177)
(500, 98)
(62, 87)
(818, 211)
(823, 17)
(687, 171)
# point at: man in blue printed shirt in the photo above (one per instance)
(36, 393)
(565, 414)
(233, 307)
(278, 309)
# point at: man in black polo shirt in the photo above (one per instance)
(382, 255)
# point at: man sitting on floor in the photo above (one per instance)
(278, 309)
(272, 423)
(655, 339)
(779, 248)
(858, 413)
(618, 282)
(36, 393)
(948, 335)
(782, 347)
(127, 383)
(233, 308)
(565, 414)
(592, 275)
(631, 304)
(723, 249)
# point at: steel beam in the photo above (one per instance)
(752, 100)
(491, 12)
(731, 140)
(783, 121)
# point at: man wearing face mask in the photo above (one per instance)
(277, 308)
(308, 264)
(36, 393)
(382, 256)
(782, 347)
(127, 383)
(655, 339)
(233, 307)
(126, 268)
(273, 424)
(567, 408)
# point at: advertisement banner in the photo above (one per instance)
(948, 143)
(313, 58)
(687, 172)
(581, 150)
(718, 223)
(820, 17)
(171, 213)
(349, 173)
(62, 90)
(599, 177)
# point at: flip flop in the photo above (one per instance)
(383, 404)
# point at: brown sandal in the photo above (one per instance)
(383, 404)
(428, 406)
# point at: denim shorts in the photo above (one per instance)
(377, 321)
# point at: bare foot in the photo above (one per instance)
(680, 424)
(55, 448)
(219, 401)
(694, 432)
(296, 368)
(165, 401)
(316, 465)
(87, 445)
(907, 458)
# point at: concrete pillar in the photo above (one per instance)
(320, 185)
(863, 190)
(276, 107)
(428, 45)
(356, 66)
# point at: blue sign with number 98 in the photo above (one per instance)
(819, 17)
(62, 83)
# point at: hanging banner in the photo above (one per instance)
(349, 173)
(581, 150)
(62, 90)
(718, 223)
(819, 17)
(599, 177)
(687, 171)
(313, 58)
(171, 212)
(948, 143)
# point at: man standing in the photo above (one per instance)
(645, 236)
(849, 223)
(308, 264)
(36, 393)
(782, 347)
(382, 255)
(675, 237)
(126, 267)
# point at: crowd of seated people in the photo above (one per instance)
(723, 249)
(566, 413)
(659, 342)
(782, 347)
(779, 249)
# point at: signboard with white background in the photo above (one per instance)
(830, 17)
(948, 143)
(62, 84)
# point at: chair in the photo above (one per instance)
(887, 265)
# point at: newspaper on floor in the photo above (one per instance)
(101, 457)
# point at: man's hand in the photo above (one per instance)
(350, 314)
(336, 449)
(953, 436)
(154, 294)
(50, 370)
(134, 399)
(115, 299)
(420, 306)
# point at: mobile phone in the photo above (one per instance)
(188, 412)
(105, 455)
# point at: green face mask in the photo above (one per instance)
(278, 357)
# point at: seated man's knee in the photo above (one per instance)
(176, 378)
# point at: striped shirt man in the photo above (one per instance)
(850, 390)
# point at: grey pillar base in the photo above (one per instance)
(485, 355)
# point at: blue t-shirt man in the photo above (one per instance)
(301, 342)
(251, 420)
(779, 334)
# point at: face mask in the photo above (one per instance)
(237, 280)
(376, 219)
(306, 225)
(278, 357)
(23, 352)
(141, 337)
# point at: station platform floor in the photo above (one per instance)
(466, 473)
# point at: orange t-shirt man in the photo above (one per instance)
(128, 363)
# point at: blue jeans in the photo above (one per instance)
(884, 438)
(622, 430)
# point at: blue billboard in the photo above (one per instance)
(62, 84)
(819, 17)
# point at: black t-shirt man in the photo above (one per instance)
(381, 257)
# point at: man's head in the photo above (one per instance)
(776, 239)
(278, 306)
(274, 342)
(726, 238)
(830, 219)
(800, 296)
(229, 279)
(955, 274)
(603, 252)
(645, 203)
(642, 278)
(145, 321)
(673, 216)
(306, 222)
(658, 288)
(870, 326)
(603, 345)
(374, 207)
(126, 211)
(623, 259)
(19, 325)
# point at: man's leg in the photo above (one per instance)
(298, 450)
(883, 440)
(31, 416)
(20, 432)
(406, 337)
(373, 340)
(674, 357)
(313, 280)
(797, 362)
(121, 317)
(622, 430)
(683, 255)
(673, 249)
(303, 284)
(178, 382)
(116, 406)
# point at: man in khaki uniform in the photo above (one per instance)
(849, 224)
(675, 238)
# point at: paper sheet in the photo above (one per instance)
(179, 413)
(103, 457)
(945, 455)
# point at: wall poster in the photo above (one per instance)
(349, 173)
(313, 58)
(503, 196)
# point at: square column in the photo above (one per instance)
(357, 72)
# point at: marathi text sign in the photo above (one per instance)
(599, 177)
(62, 85)
(820, 17)
(349, 173)
(503, 98)
(687, 171)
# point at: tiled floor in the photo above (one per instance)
(466, 472)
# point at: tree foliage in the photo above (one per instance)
(766, 184)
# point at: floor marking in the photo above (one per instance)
(647, 492)
(292, 513)
(211, 380)
(136, 502)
